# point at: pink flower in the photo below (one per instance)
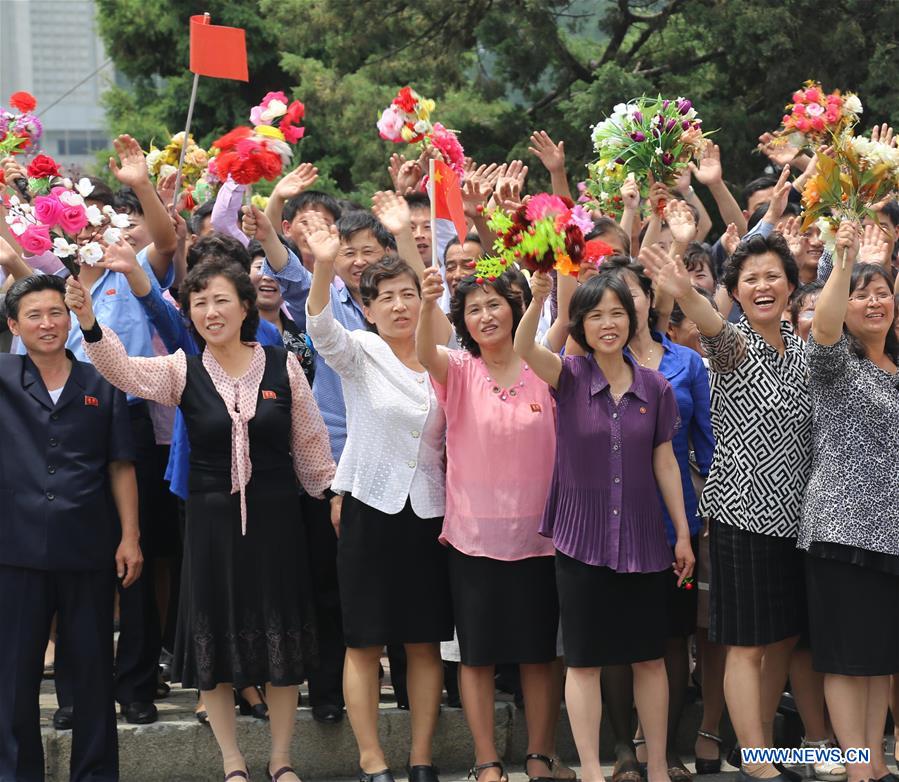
(834, 100)
(270, 96)
(801, 110)
(815, 110)
(813, 95)
(798, 97)
(832, 116)
(47, 209)
(390, 124)
(803, 125)
(256, 115)
(543, 205)
(445, 142)
(818, 123)
(72, 219)
(581, 219)
(35, 239)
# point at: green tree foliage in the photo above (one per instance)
(501, 68)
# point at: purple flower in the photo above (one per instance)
(638, 136)
(665, 104)
(667, 158)
(638, 117)
(683, 106)
(619, 161)
(670, 125)
(685, 124)
(656, 133)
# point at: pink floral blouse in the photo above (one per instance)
(162, 379)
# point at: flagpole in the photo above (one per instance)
(432, 199)
(190, 116)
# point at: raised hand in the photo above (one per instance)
(513, 177)
(680, 221)
(658, 195)
(12, 170)
(165, 189)
(669, 274)
(408, 176)
(541, 286)
(78, 300)
(778, 150)
(392, 210)
(301, 178)
(847, 242)
(883, 134)
(119, 257)
(709, 171)
(255, 224)
(323, 238)
(874, 247)
(475, 193)
(789, 229)
(683, 182)
(132, 171)
(552, 155)
(779, 197)
(431, 287)
(393, 167)
(730, 239)
(630, 193)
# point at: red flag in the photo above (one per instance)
(216, 51)
(448, 198)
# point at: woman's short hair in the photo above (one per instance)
(588, 296)
(759, 245)
(218, 246)
(516, 277)
(698, 255)
(800, 296)
(618, 264)
(862, 276)
(502, 286)
(388, 268)
(202, 274)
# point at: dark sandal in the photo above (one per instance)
(627, 770)
(679, 773)
(236, 774)
(475, 771)
(546, 760)
(379, 776)
(708, 765)
(280, 772)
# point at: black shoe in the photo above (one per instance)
(327, 713)
(422, 773)
(791, 776)
(62, 718)
(140, 713)
(378, 776)
(258, 711)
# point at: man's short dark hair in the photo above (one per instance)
(418, 201)
(588, 296)
(33, 284)
(220, 247)
(790, 210)
(759, 245)
(102, 193)
(761, 183)
(350, 223)
(454, 242)
(201, 213)
(698, 255)
(127, 202)
(606, 225)
(891, 210)
(502, 285)
(307, 199)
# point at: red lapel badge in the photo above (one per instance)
(535, 408)
(269, 395)
(91, 401)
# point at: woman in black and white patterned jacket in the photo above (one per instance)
(850, 520)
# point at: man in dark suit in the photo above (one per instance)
(68, 526)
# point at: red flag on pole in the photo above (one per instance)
(216, 51)
(447, 197)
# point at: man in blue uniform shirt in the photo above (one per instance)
(68, 526)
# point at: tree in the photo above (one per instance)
(500, 70)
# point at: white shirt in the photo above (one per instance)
(396, 431)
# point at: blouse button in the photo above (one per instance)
(424, 407)
(615, 447)
(495, 389)
(411, 463)
(616, 479)
(614, 511)
(420, 379)
(416, 435)
(512, 392)
(614, 415)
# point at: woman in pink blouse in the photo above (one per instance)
(254, 430)
(500, 443)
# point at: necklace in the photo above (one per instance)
(649, 354)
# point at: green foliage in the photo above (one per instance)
(501, 70)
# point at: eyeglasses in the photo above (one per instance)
(876, 297)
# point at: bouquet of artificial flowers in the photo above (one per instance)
(602, 189)
(848, 185)
(20, 130)
(163, 162)
(647, 136)
(815, 117)
(545, 233)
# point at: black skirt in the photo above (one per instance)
(853, 618)
(682, 602)
(245, 612)
(506, 612)
(610, 618)
(757, 587)
(394, 584)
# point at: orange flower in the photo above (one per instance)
(564, 265)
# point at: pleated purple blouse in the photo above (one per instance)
(603, 506)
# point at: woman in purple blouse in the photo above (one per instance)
(614, 426)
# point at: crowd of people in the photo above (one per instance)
(286, 440)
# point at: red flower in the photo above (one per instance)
(23, 101)
(405, 100)
(43, 166)
(289, 124)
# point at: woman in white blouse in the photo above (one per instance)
(394, 587)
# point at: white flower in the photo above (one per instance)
(119, 220)
(620, 109)
(62, 248)
(84, 187)
(14, 201)
(274, 110)
(108, 210)
(91, 253)
(852, 105)
(17, 226)
(828, 235)
(422, 126)
(67, 183)
(165, 170)
(94, 215)
(112, 235)
(71, 199)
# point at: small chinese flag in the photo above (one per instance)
(447, 195)
(216, 51)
